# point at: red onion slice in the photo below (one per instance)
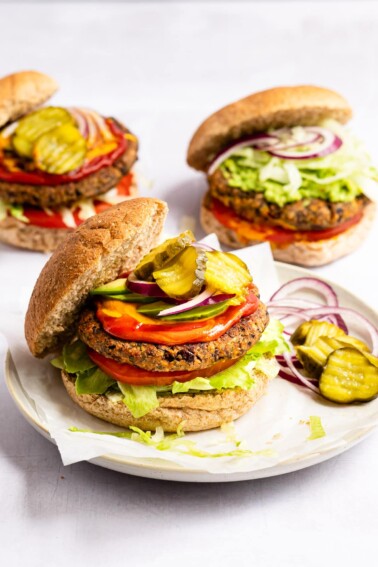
(304, 381)
(150, 289)
(207, 297)
(312, 284)
(327, 143)
(80, 120)
(262, 141)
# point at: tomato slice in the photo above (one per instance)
(277, 236)
(38, 177)
(39, 217)
(123, 321)
(140, 377)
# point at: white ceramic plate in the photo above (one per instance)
(166, 470)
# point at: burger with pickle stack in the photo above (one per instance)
(169, 336)
(58, 166)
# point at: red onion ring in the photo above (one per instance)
(207, 297)
(150, 289)
(307, 283)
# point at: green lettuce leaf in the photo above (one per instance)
(139, 399)
(338, 177)
(93, 381)
(75, 358)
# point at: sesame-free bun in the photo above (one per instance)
(195, 412)
(92, 255)
(303, 253)
(22, 92)
(270, 109)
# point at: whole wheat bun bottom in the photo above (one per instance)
(303, 253)
(194, 412)
(31, 237)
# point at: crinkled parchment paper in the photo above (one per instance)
(276, 429)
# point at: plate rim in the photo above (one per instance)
(166, 468)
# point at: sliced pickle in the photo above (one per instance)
(184, 276)
(226, 272)
(300, 333)
(60, 150)
(307, 333)
(349, 376)
(163, 254)
(314, 356)
(112, 288)
(34, 125)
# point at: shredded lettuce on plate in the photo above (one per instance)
(316, 428)
(337, 177)
(175, 442)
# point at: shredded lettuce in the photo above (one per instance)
(338, 177)
(316, 428)
(175, 442)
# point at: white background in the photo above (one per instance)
(162, 68)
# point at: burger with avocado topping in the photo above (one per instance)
(170, 335)
(58, 166)
(282, 168)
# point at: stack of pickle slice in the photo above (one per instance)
(51, 139)
(346, 369)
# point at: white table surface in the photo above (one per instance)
(162, 68)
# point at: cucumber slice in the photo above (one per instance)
(184, 276)
(161, 255)
(349, 376)
(115, 287)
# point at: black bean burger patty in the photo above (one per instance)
(307, 214)
(162, 358)
(67, 193)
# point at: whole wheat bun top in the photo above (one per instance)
(273, 108)
(22, 92)
(94, 254)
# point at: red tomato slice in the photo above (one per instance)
(123, 321)
(246, 230)
(139, 377)
(38, 177)
(38, 217)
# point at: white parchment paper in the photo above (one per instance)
(276, 429)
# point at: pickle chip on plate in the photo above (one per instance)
(349, 376)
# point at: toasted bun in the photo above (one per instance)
(303, 253)
(195, 412)
(22, 92)
(93, 254)
(30, 237)
(273, 108)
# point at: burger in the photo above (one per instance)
(169, 336)
(58, 166)
(282, 168)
